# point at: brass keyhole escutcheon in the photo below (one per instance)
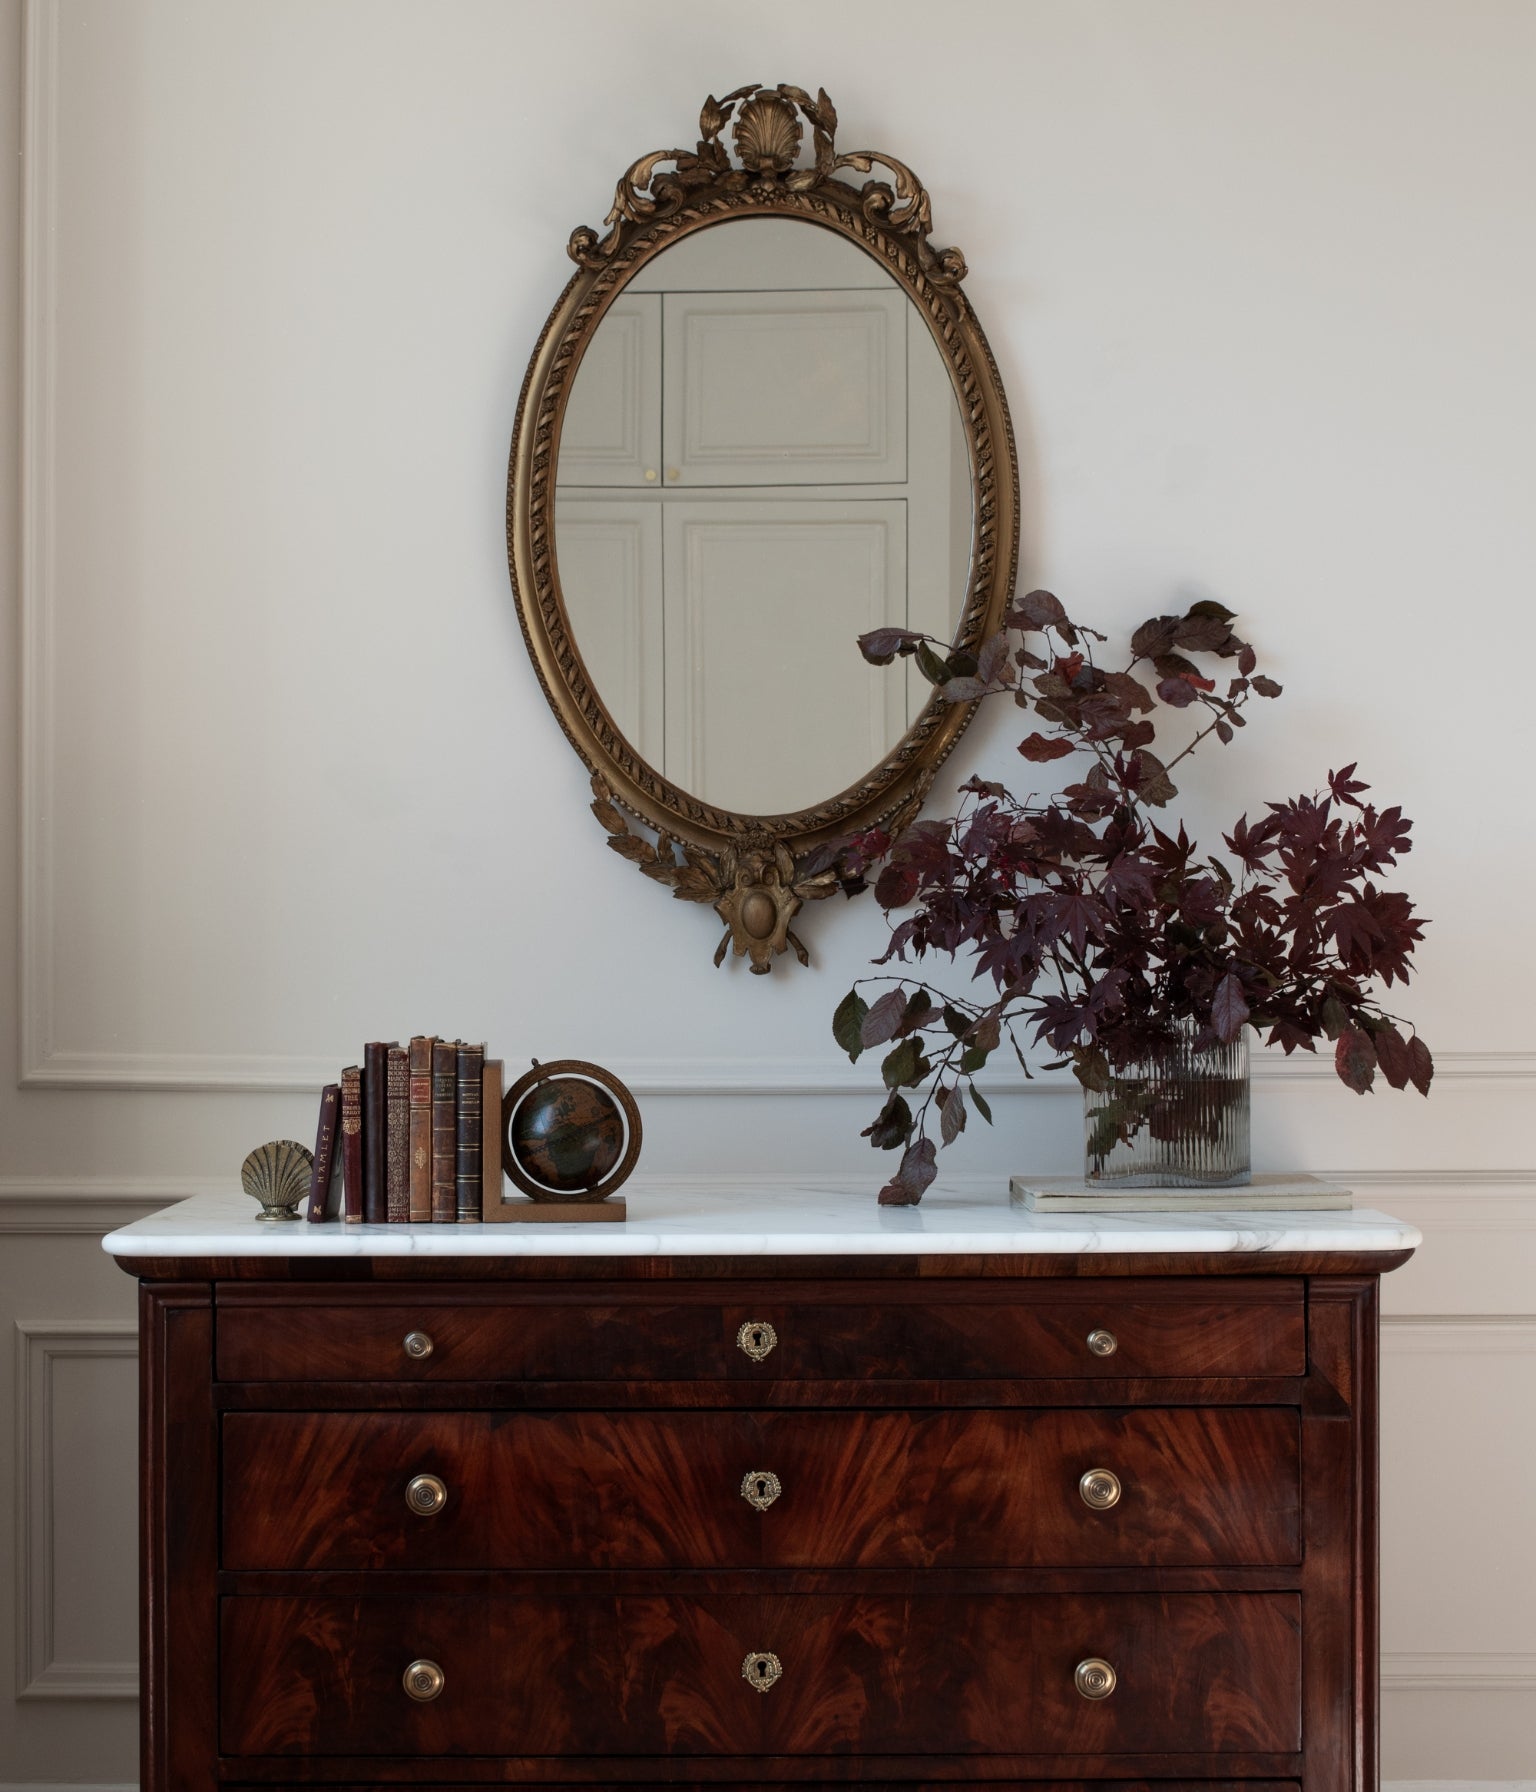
(1102, 1343)
(426, 1495)
(761, 1669)
(423, 1680)
(756, 1338)
(760, 1487)
(1100, 1488)
(418, 1346)
(1095, 1678)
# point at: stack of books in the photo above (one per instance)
(418, 1134)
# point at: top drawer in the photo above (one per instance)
(985, 1329)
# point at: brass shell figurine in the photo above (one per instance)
(278, 1175)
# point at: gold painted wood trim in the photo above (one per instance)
(754, 870)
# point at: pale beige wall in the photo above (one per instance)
(1262, 286)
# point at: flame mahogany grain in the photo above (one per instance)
(926, 1578)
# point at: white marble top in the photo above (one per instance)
(769, 1218)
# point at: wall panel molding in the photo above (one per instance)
(1413, 1670)
(39, 1673)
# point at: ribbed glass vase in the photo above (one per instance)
(1178, 1120)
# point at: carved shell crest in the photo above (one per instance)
(767, 134)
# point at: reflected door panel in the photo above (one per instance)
(610, 569)
(612, 429)
(784, 388)
(769, 705)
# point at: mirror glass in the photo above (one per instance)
(762, 458)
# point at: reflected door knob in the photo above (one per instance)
(1095, 1679)
(423, 1680)
(426, 1495)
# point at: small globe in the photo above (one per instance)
(567, 1134)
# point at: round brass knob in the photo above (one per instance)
(761, 1669)
(1095, 1678)
(423, 1680)
(426, 1494)
(418, 1346)
(1102, 1343)
(760, 1487)
(756, 1338)
(1100, 1488)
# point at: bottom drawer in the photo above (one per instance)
(795, 1674)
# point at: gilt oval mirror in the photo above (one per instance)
(761, 422)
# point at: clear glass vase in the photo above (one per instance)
(1177, 1120)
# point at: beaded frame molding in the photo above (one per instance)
(753, 870)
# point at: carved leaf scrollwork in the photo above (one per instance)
(767, 133)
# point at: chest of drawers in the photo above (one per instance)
(914, 1515)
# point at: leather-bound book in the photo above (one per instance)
(325, 1152)
(420, 1128)
(352, 1144)
(490, 1136)
(375, 1122)
(471, 1071)
(397, 1161)
(445, 1137)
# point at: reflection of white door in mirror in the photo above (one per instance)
(770, 706)
(813, 484)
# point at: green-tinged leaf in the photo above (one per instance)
(952, 1117)
(981, 1104)
(848, 1024)
(1091, 1068)
(904, 1067)
(959, 1024)
(973, 1058)
(919, 1007)
(1335, 1017)
(931, 666)
(987, 1034)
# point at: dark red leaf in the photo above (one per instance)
(1039, 748)
(1421, 1065)
(1229, 1012)
(881, 645)
(1354, 1057)
(884, 1017)
(918, 1169)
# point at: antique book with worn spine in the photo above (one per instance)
(419, 1127)
(375, 1111)
(445, 1137)
(397, 1110)
(325, 1153)
(352, 1144)
(471, 1071)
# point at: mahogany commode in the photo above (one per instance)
(775, 1489)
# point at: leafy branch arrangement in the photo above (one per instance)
(1101, 931)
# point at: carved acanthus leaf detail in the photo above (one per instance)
(767, 133)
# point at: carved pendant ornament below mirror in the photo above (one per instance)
(761, 421)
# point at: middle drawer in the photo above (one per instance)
(1181, 1487)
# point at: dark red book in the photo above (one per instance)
(375, 1119)
(471, 1077)
(420, 1127)
(352, 1144)
(445, 1136)
(397, 1113)
(325, 1152)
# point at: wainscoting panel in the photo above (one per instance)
(76, 1511)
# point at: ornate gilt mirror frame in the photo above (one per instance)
(753, 869)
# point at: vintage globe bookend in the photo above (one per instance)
(570, 1135)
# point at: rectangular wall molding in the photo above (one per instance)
(40, 1674)
(1410, 1670)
